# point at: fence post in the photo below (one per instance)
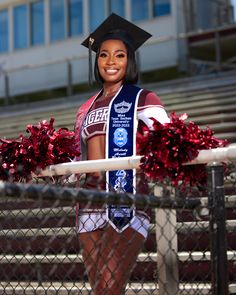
(167, 250)
(217, 226)
(7, 91)
(218, 51)
(69, 79)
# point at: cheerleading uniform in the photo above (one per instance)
(149, 106)
(95, 123)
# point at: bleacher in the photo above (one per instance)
(48, 252)
(209, 101)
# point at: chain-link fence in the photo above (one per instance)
(190, 246)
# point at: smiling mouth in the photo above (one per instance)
(111, 71)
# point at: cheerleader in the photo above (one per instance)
(106, 126)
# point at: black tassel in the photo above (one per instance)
(91, 40)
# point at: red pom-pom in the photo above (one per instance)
(169, 145)
(45, 146)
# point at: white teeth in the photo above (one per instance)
(111, 71)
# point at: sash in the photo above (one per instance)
(121, 142)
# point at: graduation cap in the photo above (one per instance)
(115, 27)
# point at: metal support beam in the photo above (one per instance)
(218, 51)
(167, 250)
(7, 90)
(69, 79)
(217, 224)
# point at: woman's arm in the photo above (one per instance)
(150, 106)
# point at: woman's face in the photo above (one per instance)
(112, 61)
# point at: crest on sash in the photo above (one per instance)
(122, 107)
(120, 181)
(120, 137)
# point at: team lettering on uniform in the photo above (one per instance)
(96, 116)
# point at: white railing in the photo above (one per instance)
(225, 154)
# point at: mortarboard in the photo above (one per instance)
(115, 27)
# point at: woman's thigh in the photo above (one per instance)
(118, 254)
(91, 244)
(109, 258)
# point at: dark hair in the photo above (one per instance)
(131, 76)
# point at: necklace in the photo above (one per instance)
(109, 93)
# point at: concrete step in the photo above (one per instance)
(214, 118)
(227, 102)
(69, 111)
(72, 288)
(183, 227)
(230, 136)
(217, 94)
(199, 97)
(185, 256)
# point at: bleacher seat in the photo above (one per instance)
(49, 251)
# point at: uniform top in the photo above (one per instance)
(149, 106)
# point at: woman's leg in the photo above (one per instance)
(91, 244)
(117, 257)
(109, 258)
